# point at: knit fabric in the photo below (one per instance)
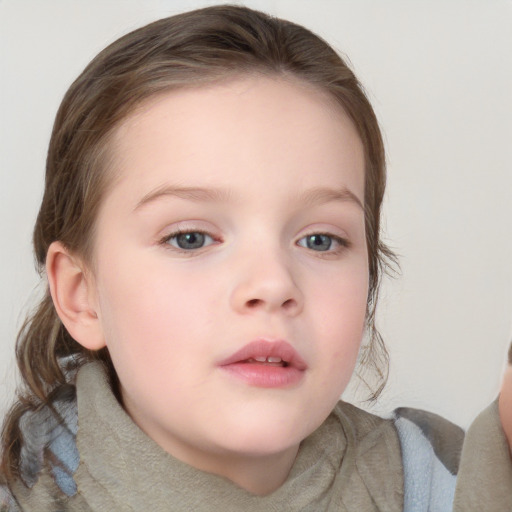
(88, 455)
(431, 449)
(485, 473)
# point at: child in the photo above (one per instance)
(210, 234)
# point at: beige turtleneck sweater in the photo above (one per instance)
(352, 463)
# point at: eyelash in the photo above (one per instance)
(342, 243)
(165, 241)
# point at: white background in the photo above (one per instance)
(439, 74)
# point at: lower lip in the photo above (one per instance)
(265, 376)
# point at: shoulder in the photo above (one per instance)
(419, 427)
(431, 449)
(48, 454)
(7, 502)
(416, 430)
(372, 460)
(423, 447)
(372, 437)
(363, 423)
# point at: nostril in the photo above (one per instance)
(287, 304)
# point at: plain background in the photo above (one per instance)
(439, 74)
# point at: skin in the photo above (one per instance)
(169, 316)
(505, 404)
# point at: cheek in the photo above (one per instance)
(342, 301)
(341, 311)
(149, 325)
(146, 311)
(505, 405)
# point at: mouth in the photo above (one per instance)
(269, 361)
(266, 364)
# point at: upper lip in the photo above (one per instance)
(265, 348)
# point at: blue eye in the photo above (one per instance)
(190, 240)
(320, 242)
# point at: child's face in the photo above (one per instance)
(236, 223)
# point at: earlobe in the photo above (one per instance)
(71, 293)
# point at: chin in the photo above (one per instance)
(261, 446)
(266, 438)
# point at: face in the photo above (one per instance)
(230, 266)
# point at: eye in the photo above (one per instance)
(321, 242)
(188, 241)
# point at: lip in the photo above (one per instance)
(243, 365)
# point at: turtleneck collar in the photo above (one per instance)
(338, 467)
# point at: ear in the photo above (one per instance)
(74, 296)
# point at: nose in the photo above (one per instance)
(265, 283)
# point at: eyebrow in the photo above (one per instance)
(190, 193)
(321, 195)
(312, 197)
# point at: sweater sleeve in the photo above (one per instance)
(485, 474)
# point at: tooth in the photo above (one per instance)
(260, 359)
(274, 360)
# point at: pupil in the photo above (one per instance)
(319, 242)
(190, 240)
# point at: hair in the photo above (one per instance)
(186, 50)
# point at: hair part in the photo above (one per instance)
(187, 50)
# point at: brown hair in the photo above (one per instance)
(181, 51)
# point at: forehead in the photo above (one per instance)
(237, 131)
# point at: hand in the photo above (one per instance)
(505, 400)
